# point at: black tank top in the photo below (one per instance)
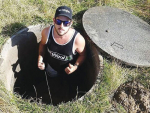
(59, 56)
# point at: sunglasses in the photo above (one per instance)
(65, 23)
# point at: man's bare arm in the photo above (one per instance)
(42, 47)
(80, 48)
(80, 42)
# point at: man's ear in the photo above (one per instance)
(54, 20)
(71, 23)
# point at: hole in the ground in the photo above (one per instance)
(22, 75)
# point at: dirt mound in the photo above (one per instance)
(134, 97)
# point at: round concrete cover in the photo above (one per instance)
(119, 33)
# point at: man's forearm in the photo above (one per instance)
(80, 60)
(40, 58)
(41, 53)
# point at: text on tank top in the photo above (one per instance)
(60, 55)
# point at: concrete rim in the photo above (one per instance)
(9, 55)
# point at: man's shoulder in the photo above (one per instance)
(79, 38)
(46, 29)
(45, 33)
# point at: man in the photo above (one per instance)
(62, 46)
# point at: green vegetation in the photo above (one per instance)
(17, 14)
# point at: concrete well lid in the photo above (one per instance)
(119, 33)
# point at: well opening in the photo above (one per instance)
(21, 74)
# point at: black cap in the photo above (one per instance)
(64, 11)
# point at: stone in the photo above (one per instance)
(119, 34)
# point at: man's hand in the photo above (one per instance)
(41, 65)
(70, 69)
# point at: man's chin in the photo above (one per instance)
(61, 34)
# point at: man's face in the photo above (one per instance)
(62, 25)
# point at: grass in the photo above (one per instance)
(17, 14)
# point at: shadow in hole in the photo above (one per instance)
(32, 82)
(25, 69)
